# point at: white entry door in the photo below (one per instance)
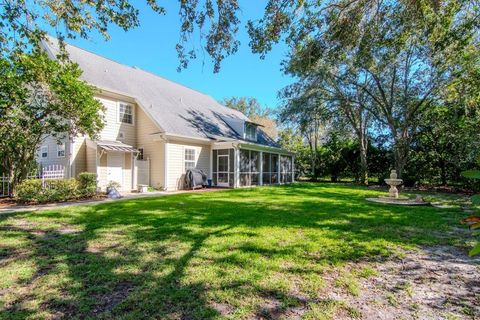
(115, 162)
(223, 163)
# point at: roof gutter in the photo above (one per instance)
(258, 147)
(165, 136)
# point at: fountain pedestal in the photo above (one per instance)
(393, 182)
(393, 194)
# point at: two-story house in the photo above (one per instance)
(156, 129)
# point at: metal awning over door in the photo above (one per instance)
(116, 146)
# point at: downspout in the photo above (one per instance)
(165, 187)
(70, 160)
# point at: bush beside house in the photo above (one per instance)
(87, 183)
(57, 190)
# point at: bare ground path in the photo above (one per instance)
(435, 282)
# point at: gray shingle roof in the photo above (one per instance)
(177, 109)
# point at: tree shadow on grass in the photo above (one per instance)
(132, 258)
(96, 289)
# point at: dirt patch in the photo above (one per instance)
(7, 203)
(35, 229)
(222, 308)
(439, 282)
(435, 282)
(108, 301)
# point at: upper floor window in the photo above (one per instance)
(189, 159)
(125, 113)
(250, 131)
(44, 152)
(61, 150)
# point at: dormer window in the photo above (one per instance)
(250, 131)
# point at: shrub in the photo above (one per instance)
(87, 184)
(61, 190)
(55, 190)
(29, 190)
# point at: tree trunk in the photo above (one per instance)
(314, 172)
(363, 164)
(443, 172)
(400, 155)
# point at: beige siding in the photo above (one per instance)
(91, 156)
(52, 158)
(113, 127)
(79, 156)
(176, 162)
(153, 150)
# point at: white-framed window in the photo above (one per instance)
(250, 131)
(44, 152)
(189, 159)
(125, 113)
(61, 150)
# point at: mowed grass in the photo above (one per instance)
(248, 253)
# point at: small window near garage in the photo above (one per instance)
(44, 152)
(140, 154)
(250, 131)
(189, 159)
(61, 150)
(125, 113)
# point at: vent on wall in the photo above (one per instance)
(121, 136)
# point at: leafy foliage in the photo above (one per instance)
(25, 23)
(446, 143)
(394, 69)
(41, 97)
(87, 184)
(33, 190)
(57, 190)
(215, 23)
(28, 190)
(291, 141)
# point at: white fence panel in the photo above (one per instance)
(53, 172)
(50, 172)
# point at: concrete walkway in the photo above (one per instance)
(20, 208)
(127, 196)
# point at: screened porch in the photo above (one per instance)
(236, 167)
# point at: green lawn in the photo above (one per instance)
(235, 254)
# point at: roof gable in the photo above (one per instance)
(176, 109)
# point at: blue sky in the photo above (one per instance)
(152, 47)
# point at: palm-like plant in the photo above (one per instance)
(473, 221)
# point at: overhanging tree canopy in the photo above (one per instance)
(40, 97)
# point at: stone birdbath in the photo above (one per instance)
(393, 196)
(393, 182)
